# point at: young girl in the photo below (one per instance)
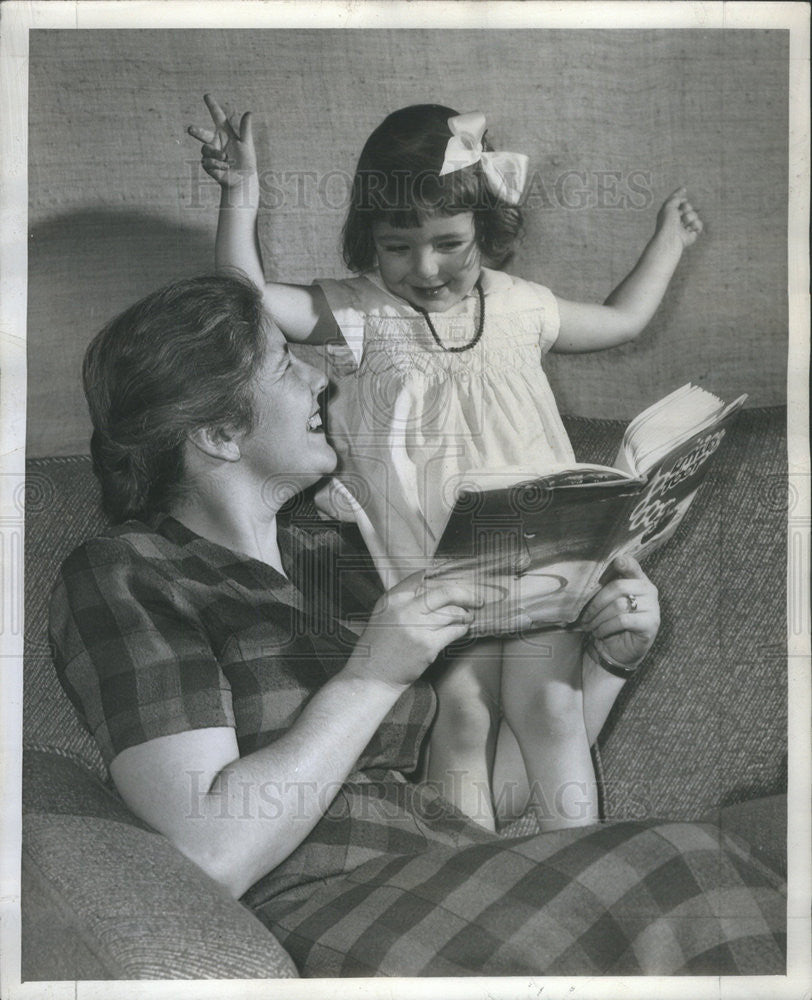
(443, 375)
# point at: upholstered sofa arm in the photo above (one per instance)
(106, 897)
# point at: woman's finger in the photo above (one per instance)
(618, 607)
(630, 579)
(434, 592)
(451, 633)
(628, 566)
(436, 595)
(634, 624)
(451, 614)
(621, 595)
(642, 626)
(619, 612)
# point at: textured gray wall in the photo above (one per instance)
(118, 204)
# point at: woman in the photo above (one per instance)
(199, 641)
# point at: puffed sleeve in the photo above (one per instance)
(131, 651)
(550, 318)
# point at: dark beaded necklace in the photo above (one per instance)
(479, 329)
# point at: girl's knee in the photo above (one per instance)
(466, 722)
(554, 709)
(467, 686)
(469, 681)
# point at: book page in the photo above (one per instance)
(668, 423)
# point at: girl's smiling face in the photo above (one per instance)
(433, 265)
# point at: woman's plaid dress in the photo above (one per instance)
(157, 631)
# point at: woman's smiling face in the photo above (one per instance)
(433, 265)
(287, 444)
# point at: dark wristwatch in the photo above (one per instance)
(622, 670)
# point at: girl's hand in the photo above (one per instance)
(677, 220)
(623, 635)
(228, 153)
(410, 626)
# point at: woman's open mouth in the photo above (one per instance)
(314, 422)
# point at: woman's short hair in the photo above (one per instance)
(182, 358)
(397, 181)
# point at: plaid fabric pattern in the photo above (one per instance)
(625, 899)
(156, 630)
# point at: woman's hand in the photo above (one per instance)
(410, 626)
(677, 221)
(252, 811)
(620, 633)
(228, 153)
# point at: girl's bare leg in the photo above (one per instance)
(600, 692)
(542, 701)
(511, 789)
(462, 744)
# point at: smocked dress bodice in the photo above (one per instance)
(410, 419)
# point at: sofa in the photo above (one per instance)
(700, 732)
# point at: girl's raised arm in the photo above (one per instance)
(229, 156)
(627, 311)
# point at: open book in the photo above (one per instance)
(537, 545)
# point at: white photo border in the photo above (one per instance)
(17, 19)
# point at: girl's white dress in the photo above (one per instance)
(410, 420)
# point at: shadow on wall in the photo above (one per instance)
(119, 255)
(83, 269)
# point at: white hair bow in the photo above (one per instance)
(505, 173)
